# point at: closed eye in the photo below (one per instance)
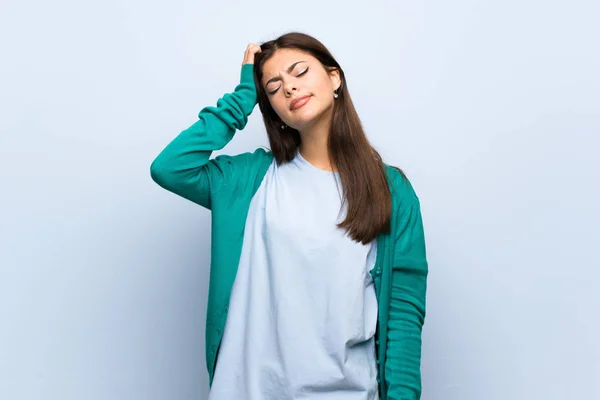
(299, 75)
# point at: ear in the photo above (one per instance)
(336, 81)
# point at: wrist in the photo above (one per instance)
(247, 73)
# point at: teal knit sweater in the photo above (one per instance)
(226, 184)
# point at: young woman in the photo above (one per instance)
(318, 266)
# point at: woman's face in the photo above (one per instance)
(292, 74)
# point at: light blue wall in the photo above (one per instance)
(492, 108)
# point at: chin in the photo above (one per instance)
(304, 124)
(307, 119)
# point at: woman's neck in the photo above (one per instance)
(316, 152)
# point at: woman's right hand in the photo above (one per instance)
(251, 50)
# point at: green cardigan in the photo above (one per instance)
(225, 185)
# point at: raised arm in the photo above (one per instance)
(184, 166)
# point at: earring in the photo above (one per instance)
(283, 126)
(335, 95)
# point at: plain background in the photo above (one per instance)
(491, 108)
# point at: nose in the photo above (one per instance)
(290, 87)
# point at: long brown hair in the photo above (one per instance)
(360, 167)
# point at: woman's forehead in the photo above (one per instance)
(284, 58)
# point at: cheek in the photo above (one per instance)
(278, 104)
(321, 88)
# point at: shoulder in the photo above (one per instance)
(243, 167)
(247, 159)
(401, 188)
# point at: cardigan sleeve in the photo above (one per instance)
(184, 166)
(407, 304)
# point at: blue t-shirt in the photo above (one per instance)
(303, 310)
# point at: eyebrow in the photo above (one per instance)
(289, 70)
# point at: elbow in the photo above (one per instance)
(158, 172)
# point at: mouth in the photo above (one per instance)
(299, 102)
